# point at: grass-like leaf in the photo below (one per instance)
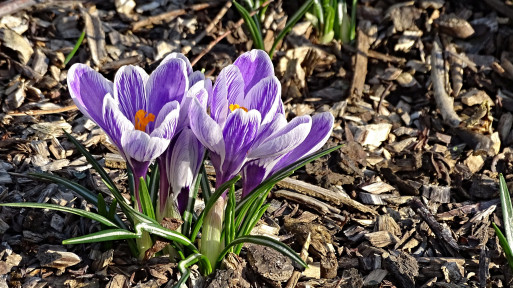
(229, 217)
(352, 33)
(188, 214)
(129, 211)
(102, 236)
(75, 48)
(146, 203)
(293, 20)
(505, 245)
(256, 34)
(153, 184)
(210, 203)
(205, 184)
(251, 223)
(76, 211)
(183, 267)
(265, 241)
(507, 210)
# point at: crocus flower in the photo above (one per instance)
(246, 120)
(180, 163)
(246, 125)
(138, 112)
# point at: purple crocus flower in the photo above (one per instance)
(247, 124)
(180, 163)
(139, 112)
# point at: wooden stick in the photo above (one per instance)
(213, 43)
(13, 6)
(443, 101)
(304, 255)
(441, 232)
(209, 28)
(170, 15)
(43, 112)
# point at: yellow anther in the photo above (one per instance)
(236, 106)
(142, 120)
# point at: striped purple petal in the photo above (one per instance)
(87, 89)
(129, 90)
(254, 66)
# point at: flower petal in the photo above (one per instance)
(183, 163)
(240, 130)
(167, 83)
(167, 121)
(196, 92)
(129, 90)
(283, 140)
(207, 131)
(254, 173)
(175, 55)
(228, 89)
(139, 146)
(265, 97)
(87, 89)
(115, 123)
(322, 124)
(254, 66)
(195, 77)
(266, 130)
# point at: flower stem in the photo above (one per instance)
(211, 245)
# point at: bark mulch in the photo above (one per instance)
(423, 102)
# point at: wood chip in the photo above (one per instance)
(322, 193)
(453, 25)
(95, 37)
(378, 188)
(16, 42)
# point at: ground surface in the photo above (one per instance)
(423, 103)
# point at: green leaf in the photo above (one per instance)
(265, 241)
(352, 33)
(146, 202)
(507, 210)
(505, 245)
(112, 209)
(183, 267)
(210, 203)
(251, 223)
(75, 49)
(205, 184)
(153, 184)
(317, 10)
(256, 34)
(129, 211)
(282, 174)
(188, 214)
(156, 229)
(229, 217)
(75, 211)
(295, 18)
(102, 236)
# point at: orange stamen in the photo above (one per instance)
(142, 120)
(236, 106)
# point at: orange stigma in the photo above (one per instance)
(142, 120)
(236, 106)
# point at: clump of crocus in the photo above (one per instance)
(246, 129)
(170, 117)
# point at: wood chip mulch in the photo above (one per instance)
(423, 102)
